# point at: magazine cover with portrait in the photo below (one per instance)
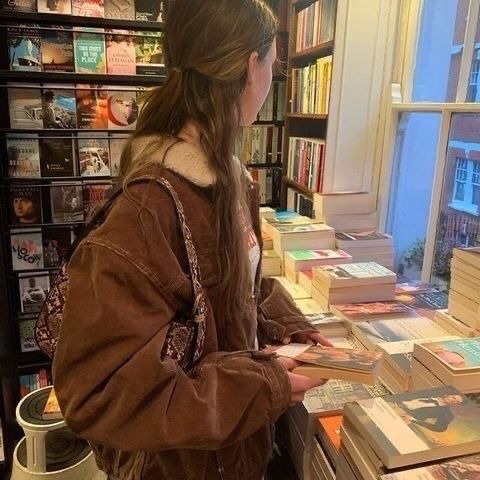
(25, 205)
(33, 291)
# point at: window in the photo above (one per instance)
(465, 189)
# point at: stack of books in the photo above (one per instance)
(271, 263)
(464, 298)
(448, 362)
(367, 246)
(297, 261)
(452, 325)
(355, 282)
(328, 324)
(398, 433)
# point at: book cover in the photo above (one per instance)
(355, 271)
(94, 156)
(28, 6)
(26, 331)
(120, 47)
(94, 195)
(26, 249)
(57, 157)
(414, 287)
(52, 408)
(59, 108)
(331, 426)
(117, 144)
(304, 255)
(56, 245)
(25, 204)
(460, 356)
(57, 49)
(149, 10)
(62, 7)
(25, 107)
(88, 8)
(292, 228)
(23, 154)
(425, 303)
(120, 9)
(149, 53)
(33, 291)
(24, 48)
(89, 51)
(417, 427)
(362, 235)
(67, 202)
(92, 107)
(122, 109)
(362, 310)
(323, 319)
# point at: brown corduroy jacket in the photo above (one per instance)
(143, 415)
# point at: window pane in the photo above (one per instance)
(473, 91)
(411, 190)
(459, 221)
(439, 50)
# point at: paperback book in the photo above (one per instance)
(370, 310)
(26, 250)
(89, 50)
(57, 49)
(94, 195)
(67, 202)
(23, 154)
(88, 8)
(92, 107)
(424, 303)
(26, 331)
(56, 245)
(62, 7)
(93, 154)
(59, 108)
(57, 157)
(122, 109)
(28, 6)
(120, 47)
(149, 53)
(25, 204)
(25, 107)
(33, 291)
(120, 9)
(24, 48)
(149, 10)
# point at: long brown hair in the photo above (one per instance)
(208, 44)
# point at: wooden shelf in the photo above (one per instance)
(307, 116)
(267, 123)
(264, 165)
(48, 19)
(292, 183)
(313, 53)
(87, 78)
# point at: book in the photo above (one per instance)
(62, 7)
(300, 260)
(365, 238)
(149, 53)
(56, 245)
(28, 6)
(93, 155)
(308, 306)
(57, 157)
(59, 108)
(52, 408)
(88, 8)
(424, 303)
(89, 46)
(366, 310)
(25, 204)
(122, 109)
(120, 9)
(26, 249)
(33, 291)
(271, 263)
(414, 287)
(23, 154)
(452, 325)
(117, 144)
(26, 333)
(57, 49)
(329, 436)
(25, 107)
(338, 363)
(417, 427)
(120, 49)
(294, 290)
(92, 106)
(327, 323)
(305, 280)
(66, 202)
(23, 44)
(94, 195)
(149, 10)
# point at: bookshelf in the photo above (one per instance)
(88, 133)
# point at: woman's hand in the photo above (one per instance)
(312, 338)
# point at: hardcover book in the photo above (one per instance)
(56, 244)
(121, 52)
(122, 109)
(89, 51)
(26, 330)
(94, 195)
(67, 202)
(24, 48)
(92, 107)
(121, 9)
(23, 156)
(117, 144)
(149, 53)
(25, 204)
(88, 8)
(59, 108)
(57, 50)
(33, 291)
(149, 10)
(57, 157)
(25, 107)
(93, 154)
(26, 249)
(28, 6)
(62, 7)
(417, 427)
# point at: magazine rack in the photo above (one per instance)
(49, 449)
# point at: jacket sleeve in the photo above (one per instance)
(114, 388)
(278, 316)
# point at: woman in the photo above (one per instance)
(145, 417)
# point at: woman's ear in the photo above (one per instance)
(252, 68)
